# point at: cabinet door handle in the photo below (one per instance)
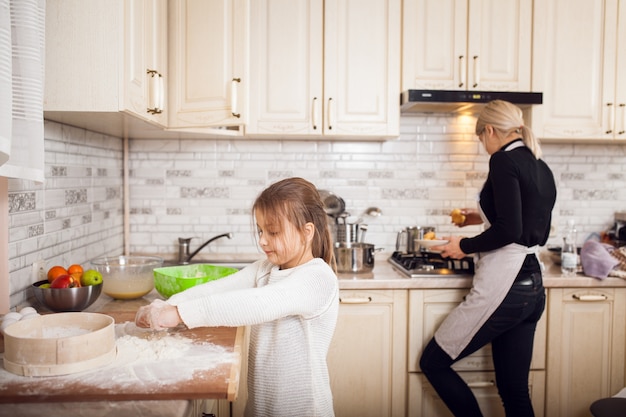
(153, 92)
(610, 123)
(622, 107)
(461, 71)
(481, 384)
(233, 97)
(355, 300)
(330, 113)
(590, 297)
(314, 111)
(476, 72)
(161, 102)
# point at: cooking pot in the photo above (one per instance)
(405, 241)
(355, 257)
(351, 232)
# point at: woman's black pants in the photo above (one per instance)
(511, 331)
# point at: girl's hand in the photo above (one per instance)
(157, 315)
(452, 249)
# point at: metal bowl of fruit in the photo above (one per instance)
(127, 277)
(66, 298)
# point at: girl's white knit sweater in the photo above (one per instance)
(292, 314)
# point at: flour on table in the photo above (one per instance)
(144, 358)
(62, 331)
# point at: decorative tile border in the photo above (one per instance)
(19, 202)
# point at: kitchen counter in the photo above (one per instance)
(384, 277)
(209, 369)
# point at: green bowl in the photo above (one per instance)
(170, 280)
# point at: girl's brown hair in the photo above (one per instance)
(298, 201)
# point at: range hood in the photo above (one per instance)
(452, 101)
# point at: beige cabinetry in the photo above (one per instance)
(427, 309)
(208, 63)
(104, 59)
(324, 68)
(586, 348)
(467, 45)
(367, 357)
(579, 56)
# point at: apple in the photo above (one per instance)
(64, 281)
(91, 277)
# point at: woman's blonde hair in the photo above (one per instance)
(506, 118)
(298, 201)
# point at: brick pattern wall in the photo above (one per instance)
(201, 188)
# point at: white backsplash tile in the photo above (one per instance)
(201, 188)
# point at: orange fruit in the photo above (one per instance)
(56, 271)
(76, 271)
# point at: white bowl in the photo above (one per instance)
(127, 277)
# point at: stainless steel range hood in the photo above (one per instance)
(451, 101)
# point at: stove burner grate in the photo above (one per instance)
(422, 264)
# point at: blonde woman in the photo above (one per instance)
(507, 297)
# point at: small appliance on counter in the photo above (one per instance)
(618, 233)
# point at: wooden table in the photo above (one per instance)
(219, 382)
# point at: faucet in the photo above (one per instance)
(183, 247)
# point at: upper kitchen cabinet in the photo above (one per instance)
(105, 60)
(467, 45)
(324, 68)
(579, 60)
(208, 64)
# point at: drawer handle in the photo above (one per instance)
(590, 297)
(355, 300)
(481, 384)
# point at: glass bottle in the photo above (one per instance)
(569, 253)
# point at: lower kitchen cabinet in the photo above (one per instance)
(424, 401)
(427, 309)
(586, 348)
(367, 357)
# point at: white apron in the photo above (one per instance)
(494, 274)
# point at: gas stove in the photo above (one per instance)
(430, 264)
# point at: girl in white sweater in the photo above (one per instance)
(290, 300)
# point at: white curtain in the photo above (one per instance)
(22, 58)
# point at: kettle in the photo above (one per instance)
(405, 240)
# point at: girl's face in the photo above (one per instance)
(282, 243)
